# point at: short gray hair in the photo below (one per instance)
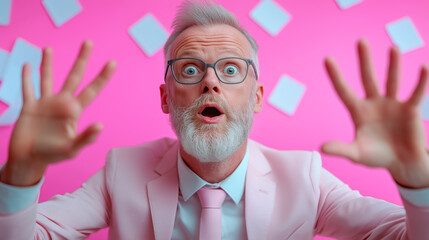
(192, 13)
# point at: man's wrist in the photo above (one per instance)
(22, 174)
(412, 176)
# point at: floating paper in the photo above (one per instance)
(287, 94)
(404, 34)
(424, 108)
(3, 60)
(61, 11)
(270, 16)
(5, 9)
(11, 114)
(3, 107)
(149, 34)
(343, 4)
(22, 52)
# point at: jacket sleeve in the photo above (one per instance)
(69, 216)
(345, 214)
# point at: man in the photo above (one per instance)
(153, 191)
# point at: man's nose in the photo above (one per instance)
(210, 82)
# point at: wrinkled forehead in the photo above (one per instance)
(203, 39)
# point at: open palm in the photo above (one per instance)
(389, 133)
(46, 130)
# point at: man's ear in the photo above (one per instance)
(259, 97)
(164, 96)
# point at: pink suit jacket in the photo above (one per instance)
(288, 195)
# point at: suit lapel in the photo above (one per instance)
(163, 195)
(259, 195)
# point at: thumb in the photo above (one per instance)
(86, 137)
(341, 149)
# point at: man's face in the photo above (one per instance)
(212, 107)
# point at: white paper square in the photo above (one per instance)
(5, 9)
(3, 60)
(61, 11)
(424, 108)
(270, 16)
(11, 87)
(10, 115)
(149, 34)
(344, 4)
(403, 33)
(287, 94)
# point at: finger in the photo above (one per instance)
(346, 94)
(94, 88)
(367, 71)
(46, 73)
(419, 91)
(86, 137)
(76, 73)
(394, 73)
(341, 149)
(27, 85)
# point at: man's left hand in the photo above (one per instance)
(389, 133)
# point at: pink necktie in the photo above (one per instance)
(211, 216)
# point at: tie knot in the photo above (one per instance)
(211, 197)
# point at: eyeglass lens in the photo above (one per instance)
(228, 70)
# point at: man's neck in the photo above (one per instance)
(214, 172)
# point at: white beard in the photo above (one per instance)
(211, 142)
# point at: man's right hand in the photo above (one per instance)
(46, 130)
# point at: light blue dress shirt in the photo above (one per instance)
(14, 199)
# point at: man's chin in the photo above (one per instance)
(210, 132)
(219, 128)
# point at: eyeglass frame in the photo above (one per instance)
(207, 65)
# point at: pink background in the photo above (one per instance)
(129, 105)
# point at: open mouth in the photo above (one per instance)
(210, 112)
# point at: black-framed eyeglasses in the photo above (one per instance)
(229, 70)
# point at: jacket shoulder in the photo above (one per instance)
(288, 165)
(287, 156)
(144, 153)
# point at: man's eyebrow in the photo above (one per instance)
(187, 53)
(229, 52)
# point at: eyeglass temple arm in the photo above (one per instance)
(166, 71)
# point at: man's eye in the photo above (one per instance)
(191, 70)
(230, 70)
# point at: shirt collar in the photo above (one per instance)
(233, 185)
